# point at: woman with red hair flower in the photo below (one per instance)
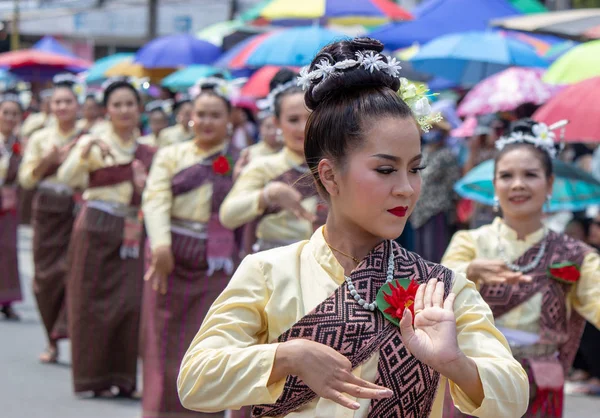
(192, 253)
(10, 159)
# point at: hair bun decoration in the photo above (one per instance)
(538, 134)
(268, 104)
(359, 63)
(165, 106)
(227, 89)
(137, 83)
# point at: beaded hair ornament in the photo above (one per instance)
(542, 138)
(415, 96)
(72, 82)
(268, 104)
(165, 106)
(228, 90)
(138, 83)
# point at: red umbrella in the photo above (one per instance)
(258, 84)
(578, 103)
(34, 58)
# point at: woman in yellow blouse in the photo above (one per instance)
(182, 130)
(91, 114)
(275, 191)
(539, 284)
(104, 286)
(52, 211)
(10, 158)
(192, 254)
(158, 121)
(299, 332)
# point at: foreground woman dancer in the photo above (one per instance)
(299, 331)
(539, 284)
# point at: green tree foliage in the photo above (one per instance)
(585, 3)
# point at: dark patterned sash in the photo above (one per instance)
(53, 169)
(13, 162)
(112, 175)
(556, 325)
(342, 324)
(195, 176)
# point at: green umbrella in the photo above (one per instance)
(215, 33)
(529, 6)
(185, 78)
(580, 63)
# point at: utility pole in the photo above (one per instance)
(152, 19)
(14, 35)
(233, 8)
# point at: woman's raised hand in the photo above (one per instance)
(325, 371)
(493, 272)
(285, 196)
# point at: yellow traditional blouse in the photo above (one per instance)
(230, 360)
(174, 134)
(241, 205)
(4, 158)
(483, 242)
(77, 166)
(150, 140)
(158, 203)
(36, 121)
(261, 149)
(39, 145)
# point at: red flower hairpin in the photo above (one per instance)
(395, 297)
(222, 165)
(566, 272)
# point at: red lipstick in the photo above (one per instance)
(399, 211)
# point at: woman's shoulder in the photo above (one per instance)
(271, 165)
(272, 263)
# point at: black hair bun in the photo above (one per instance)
(352, 78)
(284, 75)
(523, 125)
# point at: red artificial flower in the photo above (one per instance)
(401, 299)
(565, 272)
(16, 148)
(221, 165)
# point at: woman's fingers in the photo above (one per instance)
(438, 295)
(419, 297)
(429, 290)
(449, 302)
(339, 398)
(362, 392)
(357, 381)
(149, 273)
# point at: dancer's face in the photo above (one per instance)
(123, 109)
(10, 116)
(64, 105)
(292, 121)
(210, 118)
(521, 184)
(378, 185)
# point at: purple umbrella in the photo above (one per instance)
(177, 51)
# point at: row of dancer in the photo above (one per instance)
(91, 252)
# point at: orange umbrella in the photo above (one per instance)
(34, 58)
(131, 69)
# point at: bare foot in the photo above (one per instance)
(50, 355)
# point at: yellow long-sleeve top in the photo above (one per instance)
(4, 158)
(76, 166)
(483, 242)
(158, 203)
(39, 145)
(173, 135)
(241, 205)
(36, 121)
(261, 149)
(230, 360)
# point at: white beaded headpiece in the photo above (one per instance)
(542, 138)
(228, 89)
(416, 97)
(268, 104)
(137, 83)
(72, 81)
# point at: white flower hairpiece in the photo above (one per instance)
(542, 138)
(228, 89)
(268, 103)
(137, 83)
(164, 105)
(415, 96)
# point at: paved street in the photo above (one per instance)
(31, 390)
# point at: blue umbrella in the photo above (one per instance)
(574, 189)
(177, 51)
(95, 74)
(187, 77)
(434, 18)
(470, 57)
(49, 44)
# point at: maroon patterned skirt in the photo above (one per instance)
(104, 295)
(10, 286)
(52, 220)
(171, 321)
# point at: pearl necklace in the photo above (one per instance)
(390, 276)
(528, 267)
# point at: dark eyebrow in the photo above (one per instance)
(396, 159)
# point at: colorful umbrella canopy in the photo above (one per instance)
(577, 24)
(294, 47)
(558, 50)
(49, 44)
(215, 33)
(175, 51)
(349, 12)
(258, 84)
(185, 78)
(580, 63)
(577, 103)
(529, 6)
(435, 18)
(574, 189)
(540, 43)
(34, 58)
(95, 75)
(506, 91)
(470, 57)
(132, 69)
